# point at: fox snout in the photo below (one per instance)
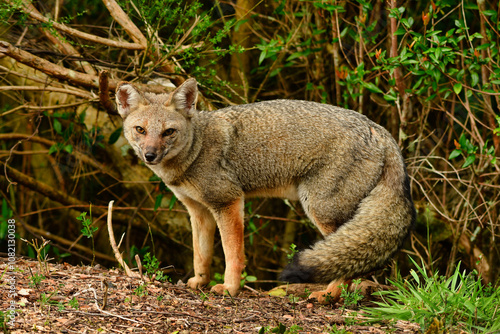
(152, 155)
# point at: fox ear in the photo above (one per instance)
(184, 97)
(128, 98)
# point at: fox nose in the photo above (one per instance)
(150, 156)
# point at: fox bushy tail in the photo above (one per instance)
(377, 230)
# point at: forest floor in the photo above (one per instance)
(82, 299)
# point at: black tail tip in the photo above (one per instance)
(297, 273)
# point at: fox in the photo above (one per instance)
(347, 172)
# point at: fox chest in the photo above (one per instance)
(189, 191)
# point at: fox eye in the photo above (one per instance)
(168, 132)
(140, 130)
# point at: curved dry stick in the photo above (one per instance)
(112, 242)
(89, 37)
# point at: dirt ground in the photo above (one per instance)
(78, 299)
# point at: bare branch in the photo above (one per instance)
(93, 38)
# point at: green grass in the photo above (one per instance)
(460, 302)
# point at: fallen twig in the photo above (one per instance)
(103, 311)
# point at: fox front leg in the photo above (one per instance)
(203, 226)
(230, 223)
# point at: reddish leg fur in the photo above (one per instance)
(231, 229)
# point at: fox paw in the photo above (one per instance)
(332, 293)
(198, 282)
(222, 289)
(324, 297)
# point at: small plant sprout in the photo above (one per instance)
(88, 230)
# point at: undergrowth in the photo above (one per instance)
(437, 303)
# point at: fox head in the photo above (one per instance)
(157, 125)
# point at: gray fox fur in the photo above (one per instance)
(347, 172)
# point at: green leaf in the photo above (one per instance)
(115, 136)
(158, 201)
(6, 212)
(438, 53)
(57, 126)
(68, 148)
(275, 72)
(372, 88)
(250, 278)
(262, 56)
(390, 98)
(490, 12)
(415, 276)
(474, 79)
(432, 33)
(470, 159)
(463, 140)
(294, 55)
(239, 23)
(454, 154)
(483, 46)
(82, 216)
(53, 149)
(476, 35)
(400, 31)
(457, 88)
(173, 199)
